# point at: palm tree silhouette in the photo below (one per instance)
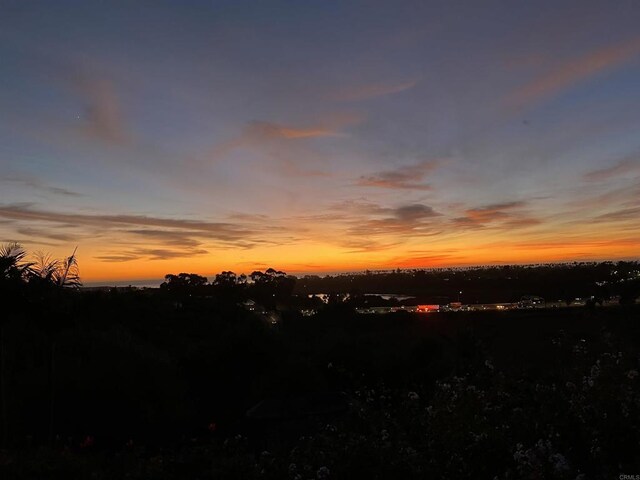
(49, 272)
(13, 268)
(51, 276)
(46, 277)
(14, 271)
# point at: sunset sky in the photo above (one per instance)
(310, 136)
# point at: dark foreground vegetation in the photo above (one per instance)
(186, 382)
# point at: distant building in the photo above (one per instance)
(427, 308)
(252, 306)
(531, 301)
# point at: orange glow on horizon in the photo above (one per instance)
(329, 260)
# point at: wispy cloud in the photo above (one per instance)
(34, 183)
(137, 236)
(574, 71)
(40, 234)
(103, 119)
(274, 130)
(149, 254)
(369, 222)
(258, 132)
(415, 211)
(287, 146)
(371, 90)
(507, 214)
(622, 167)
(220, 230)
(166, 237)
(118, 257)
(495, 211)
(619, 215)
(574, 243)
(408, 177)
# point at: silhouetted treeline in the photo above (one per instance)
(490, 284)
(556, 282)
(268, 288)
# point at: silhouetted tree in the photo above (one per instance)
(629, 292)
(271, 286)
(47, 272)
(226, 279)
(13, 272)
(230, 286)
(184, 284)
(49, 277)
(13, 268)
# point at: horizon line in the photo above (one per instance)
(337, 273)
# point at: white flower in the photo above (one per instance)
(632, 374)
(331, 428)
(560, 464)
(413, 396)
(410, 451)
(323, 472)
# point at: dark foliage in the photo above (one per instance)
(156, 384)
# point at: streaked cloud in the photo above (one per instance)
(494, 211)
(26, 212)
(213, 231)
(149, 254)
(286, 146)
(258, 131)
(507, 214)
(374, 222)
(371, 90)
(274, 130)
(578, 243)
(415, 211)
(175, 238)
(103, 119)
(40, 234)
(564, 75)
(622, 167)
(408, 177)
(619, 215)
(32, 182)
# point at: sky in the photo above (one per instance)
(319, 136)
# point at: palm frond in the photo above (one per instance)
(59, 273)
(45, 267)
(12, 264)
